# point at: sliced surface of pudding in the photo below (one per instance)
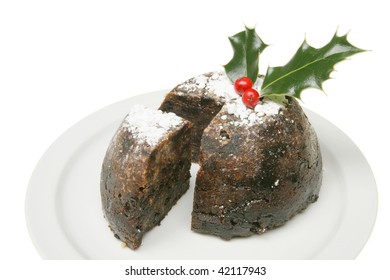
(145, 171)
(198, 100)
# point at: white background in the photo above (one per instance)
(63, 60)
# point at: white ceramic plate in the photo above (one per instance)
(65, 220)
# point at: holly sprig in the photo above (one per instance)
(247, 47)
(309, 67)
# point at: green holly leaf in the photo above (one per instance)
(308, 68)
(247, 47)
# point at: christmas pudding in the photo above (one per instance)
(260, 160)
(258, 166)
(145, 171)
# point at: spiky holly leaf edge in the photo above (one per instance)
(309, 68)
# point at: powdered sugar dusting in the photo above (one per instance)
(218, 85)
(247, 116)
(150, 125)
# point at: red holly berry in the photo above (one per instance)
(250, 98)
(242, 84)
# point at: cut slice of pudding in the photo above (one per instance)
(145, 171)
